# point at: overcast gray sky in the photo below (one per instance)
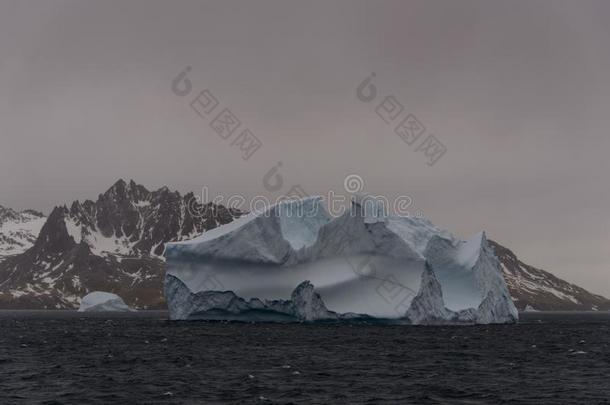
(517, 91)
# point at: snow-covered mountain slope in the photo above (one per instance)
(111, 244)
(115, 244)
(259, 259)
(540, 290)
(18, 230)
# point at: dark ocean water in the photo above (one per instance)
(58, 357)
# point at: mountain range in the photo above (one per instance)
(116, 242)
(18, 230)
(111, 244)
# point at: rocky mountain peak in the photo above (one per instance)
(18, 230)
(113, 243)
(54, 237)
(541, 290)
(7, 214)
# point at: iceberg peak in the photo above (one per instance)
(469, 251)
(265, 266)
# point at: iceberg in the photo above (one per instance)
(99, 301)
(293, 262)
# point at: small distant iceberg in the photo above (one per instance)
(529, 308)
(99, 301)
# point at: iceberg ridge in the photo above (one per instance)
(264, 266)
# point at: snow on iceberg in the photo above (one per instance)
(293, 262)
(99, 301)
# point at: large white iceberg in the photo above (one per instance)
(293, 262)
(99, 301)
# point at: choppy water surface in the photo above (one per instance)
(65, 357)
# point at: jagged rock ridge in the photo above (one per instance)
(111, 244)
(18, 230)
(541, 290)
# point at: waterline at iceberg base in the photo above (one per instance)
(280, 267)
